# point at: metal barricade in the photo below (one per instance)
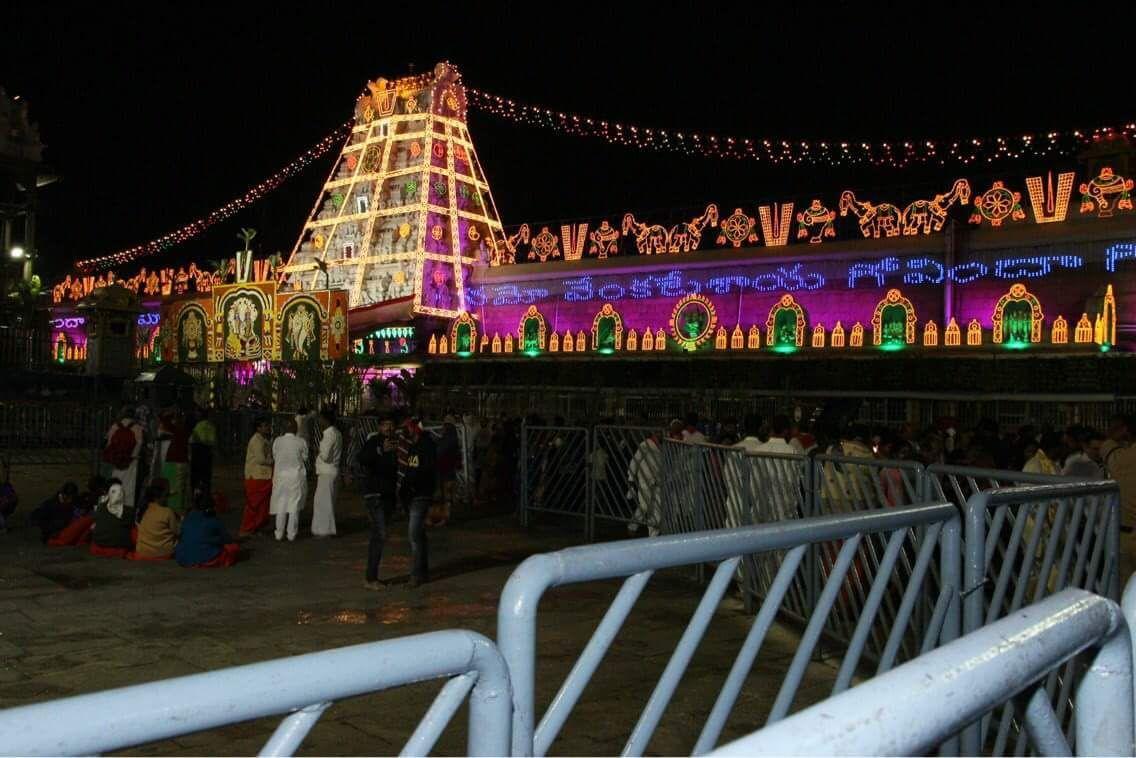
(914, 708)
(304, 686)
(1025, 543)
(624, 466)
(959, 483)
(555, 476)
(50, 433)
(846, 484)
(637, 560)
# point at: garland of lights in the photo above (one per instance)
(194, 228)
(823, 153)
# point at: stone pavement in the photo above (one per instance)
(71, 623)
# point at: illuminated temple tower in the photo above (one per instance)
(406, 211)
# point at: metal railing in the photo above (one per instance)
(555, 476)
(914, 708)
(637, 560)
(1025, 543)
(54, 433)
(303, 686)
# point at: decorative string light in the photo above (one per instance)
(819, 153)
(234, 206)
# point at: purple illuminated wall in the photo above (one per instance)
(1063, 277)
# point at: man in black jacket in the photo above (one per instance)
(419, 479)
(379, 461)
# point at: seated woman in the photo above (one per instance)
(158, 530)
(55, 513)
(78, 531)
(204, 542)
(111, 537)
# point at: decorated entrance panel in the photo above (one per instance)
(532, 331)
(785, 327)
(244, 331)
(694, 321)
(463, 334)
(1017, 318)
(893, 323)
(607, 330)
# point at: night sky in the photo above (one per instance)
(155, 115)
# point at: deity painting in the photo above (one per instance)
(243, 327)
(692, 321)
(301, 333)
(438, 289)
(191, 337)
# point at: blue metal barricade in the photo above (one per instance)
(915, 707)
(303, 686)
(1025, 543)
(637, 560)
(554, 473)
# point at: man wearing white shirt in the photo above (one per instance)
(778, 441)
(327, 473)
(289, 481)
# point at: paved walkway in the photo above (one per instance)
(71, 623)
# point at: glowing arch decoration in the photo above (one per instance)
(508, 343)
(818, 335)
(632, 340)
(581, 342)
(463, 334)
(893, 322)
(660, 340)
(569, 343)
(973, 333)
(856, 336)
(836, 338)
(532, 330)
(554, 343)
(931, 334)
(721, 341)
(444, 345)
(432, 346)
(753, 340)
(737, 339)
(496, 342)
(1017, 318)
(1060, 334)
(648, 340)
(785, 327)
(952, 335)
(1084, 331)
(694, 320)
(1106, 320)
(607, 330)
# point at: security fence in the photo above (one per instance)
(554, 476)
(915, 707)
(302, 686)
(54, 433)
(637, 560)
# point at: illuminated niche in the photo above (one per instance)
(1060, 334)
(893, 322)
(532, 331)
(607, 330)
(953, 335)
(973, 333)
(818, 335)
(753, 340)
(694, 320)
(931, 334)
(463, 334)
(632, 340)
(785, 327)
(1017, 318)
(836, 339)
(737, 338)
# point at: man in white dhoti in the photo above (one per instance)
(123, 447)
(289, 481)
(327, 471)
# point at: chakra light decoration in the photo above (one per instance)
(1050, 206)
(653, 239)
(874, 220)
(1017, 317)
(1106, 193)
(411, 236)
(1060, 333)
(887, 329)
(776, 227)
(693, 321)
(532, 330)
(785, 326)
(737, 228)
(604, 240)
(996, 205)
(607, 330)
(544, 246)
(815, 222)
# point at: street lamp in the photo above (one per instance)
(17, 253)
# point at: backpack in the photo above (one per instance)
(119, 451)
